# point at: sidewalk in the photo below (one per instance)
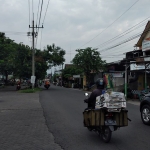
(22, 124)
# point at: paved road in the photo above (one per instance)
(52, 120)
(63, 112)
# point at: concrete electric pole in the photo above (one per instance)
(33, 34)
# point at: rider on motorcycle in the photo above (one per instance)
(47, 82)
(100, 83)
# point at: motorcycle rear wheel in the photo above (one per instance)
(106, 134)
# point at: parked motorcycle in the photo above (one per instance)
(105, 118)
(18, 87)
(47, 86)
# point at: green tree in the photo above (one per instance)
(17, 58)
(89, 60)
(7, 49)
(55, 55)
(41, 64)
(22, 61)
(69, 72)
(55, 76)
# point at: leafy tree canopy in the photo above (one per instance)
(7, 49)
(17, 58)
(54, 55)
(69, 72)
(89, 60)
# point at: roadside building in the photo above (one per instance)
(115, 70)
(144, 45)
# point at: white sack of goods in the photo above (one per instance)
(112, 100)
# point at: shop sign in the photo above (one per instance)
(146, 44)
(117, 74)
(147, 59)
(134, 66)
(108, 80)
(76, 76)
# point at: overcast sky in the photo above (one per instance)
(74, 24)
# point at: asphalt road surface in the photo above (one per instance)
(63, 108)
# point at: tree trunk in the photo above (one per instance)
(6, 75)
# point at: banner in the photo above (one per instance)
(108, 80)
(146, 44)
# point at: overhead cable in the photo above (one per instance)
(125, 32)
(125, 41)
(110, 24)
(116, 50)
(32, 7)
(43, 22)
(39, 21)
(41, 39)
(46, 11)
(38, 12)
(29, 10)
(12, 32)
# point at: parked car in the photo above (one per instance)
(145, 108)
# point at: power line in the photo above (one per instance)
(32, 8)
(29, 17)
(117, 37)
(12, 32)
(41, 38)
(16, 34)
(125, 41)
(43, 22)
(116, 50)
(125, 32)
(29, 10)
(46, 11)
(39, 22)
(110, 24)
(111, 57)
(38, 12)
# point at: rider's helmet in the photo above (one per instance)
(100, 83)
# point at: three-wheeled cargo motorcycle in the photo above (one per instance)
(110, 114)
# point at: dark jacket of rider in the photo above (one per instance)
(97, 92)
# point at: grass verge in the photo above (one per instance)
(30, 90)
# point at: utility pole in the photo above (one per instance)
(33, 34)
(145, 71)
(126, 77)
(62, 76)
(126, 81)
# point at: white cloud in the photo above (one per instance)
(70, 24)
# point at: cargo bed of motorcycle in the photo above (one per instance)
(96, 117)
